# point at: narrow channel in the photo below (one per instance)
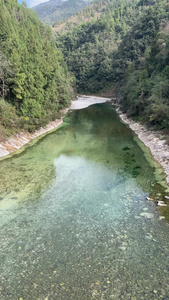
(74, 219)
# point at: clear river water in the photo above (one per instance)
(74, 220)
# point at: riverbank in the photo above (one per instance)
(155, 141)
(16, 142)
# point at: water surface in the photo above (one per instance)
(74, 219)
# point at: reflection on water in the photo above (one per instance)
(75, 222)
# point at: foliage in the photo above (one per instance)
(126, 43)
(5, 75)
(53, 11)
(148, 96)
(88, 47)
(9, 121)
(32, 70)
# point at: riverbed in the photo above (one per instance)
(74, 216)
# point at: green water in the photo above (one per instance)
(74, 219)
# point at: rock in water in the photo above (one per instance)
(150, 199)
(147, 215)
(160, 203)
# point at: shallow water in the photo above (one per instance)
(74, 219)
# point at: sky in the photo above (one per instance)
(31, 3)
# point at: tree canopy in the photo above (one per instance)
(33, 75)
(125, 44)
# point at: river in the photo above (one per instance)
(74, 219)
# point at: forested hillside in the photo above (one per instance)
(52, 11)
(124, 44)
(34, 80)
(89, 47)
(110, 43)
(145, 92)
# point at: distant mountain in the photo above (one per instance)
(57, 10)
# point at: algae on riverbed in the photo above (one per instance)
(78, 225)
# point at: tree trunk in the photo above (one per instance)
(3, 90)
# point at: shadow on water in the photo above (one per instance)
(75, 222)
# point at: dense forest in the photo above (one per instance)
(124, 44)
(34, 81)
(89, 46)
(121, 45)
(54, 11)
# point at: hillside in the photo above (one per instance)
(91, 12)
(56, 10)
(120, 45)
(34, 81)
(88, 47)
(125, 46)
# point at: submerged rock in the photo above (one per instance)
(106, 204)
(147, 215)
(137, 217)
(148, 236)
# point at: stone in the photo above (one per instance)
(137, 217)
(161, 217)
(150, 199)
(147, 215)
(160, 203)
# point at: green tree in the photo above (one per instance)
(6, 74)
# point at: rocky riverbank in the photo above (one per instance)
(155, 141)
